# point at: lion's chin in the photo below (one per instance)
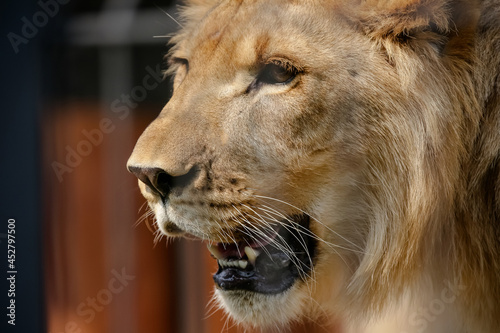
(263, 310)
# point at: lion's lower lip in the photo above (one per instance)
(270, 268)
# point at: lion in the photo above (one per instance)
(340, 158)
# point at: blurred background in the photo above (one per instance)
(80, 82)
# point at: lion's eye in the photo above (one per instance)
(276, 73)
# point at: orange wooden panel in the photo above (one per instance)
(102, 273)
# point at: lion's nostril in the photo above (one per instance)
(161, 182)
(155, 178)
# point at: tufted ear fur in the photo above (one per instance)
(443, 23)
(391, 18)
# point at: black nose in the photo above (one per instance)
(161, 182)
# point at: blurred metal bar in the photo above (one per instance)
(115, 22)
(149, 26)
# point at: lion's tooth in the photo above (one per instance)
(252, 254)
(243, 264)
(215, 251)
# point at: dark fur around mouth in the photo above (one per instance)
(269, 268)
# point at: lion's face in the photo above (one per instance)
(271, 147)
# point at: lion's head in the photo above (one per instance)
(317, 147)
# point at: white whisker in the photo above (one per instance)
(283, 246)
(170, 16)
(315, 219)
(308, 232)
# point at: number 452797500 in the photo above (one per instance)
(11, 241)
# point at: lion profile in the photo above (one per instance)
(340, 158)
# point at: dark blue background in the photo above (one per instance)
(19, 169)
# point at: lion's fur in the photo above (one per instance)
(391, 138)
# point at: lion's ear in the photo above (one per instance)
(404, 20)
(387, 18)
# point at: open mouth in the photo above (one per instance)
(269, 262)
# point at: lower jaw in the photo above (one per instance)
(272, 283)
